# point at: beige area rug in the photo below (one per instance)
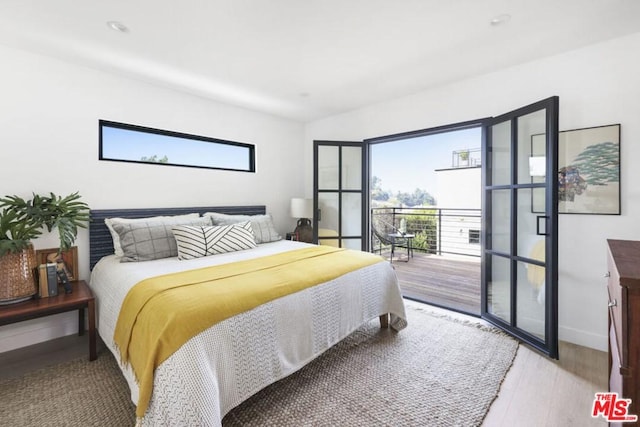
(437, 372)
(75, 393)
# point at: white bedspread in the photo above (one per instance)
(223, 366)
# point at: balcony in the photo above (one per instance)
(466, 158)
(445, 267)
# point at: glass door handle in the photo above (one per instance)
(538, 218)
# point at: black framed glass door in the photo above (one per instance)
(520, 227)
(338, 194)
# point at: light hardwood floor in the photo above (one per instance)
(541, 392)
(536, 391)
(446, 281)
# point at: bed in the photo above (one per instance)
(225, 363)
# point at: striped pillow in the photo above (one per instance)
(199, 241)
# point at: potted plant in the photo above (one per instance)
(21, 221)
(464, 156)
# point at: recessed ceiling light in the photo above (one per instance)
(500, 19)
(117, 26)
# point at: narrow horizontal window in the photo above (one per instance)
(136, 144)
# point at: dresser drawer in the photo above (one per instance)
(623, 288)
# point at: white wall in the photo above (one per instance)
(454, 191)
(49, 112)
(597, 85)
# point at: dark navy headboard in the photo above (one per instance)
(100, 243)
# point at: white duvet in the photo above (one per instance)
(223, 366)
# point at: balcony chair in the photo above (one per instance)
(389, 240)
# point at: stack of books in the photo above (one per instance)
(47, 280)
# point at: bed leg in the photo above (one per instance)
(384, 321)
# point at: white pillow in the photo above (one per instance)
(262, 225)
(170, 220)
(199, 241)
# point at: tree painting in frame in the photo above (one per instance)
(589, 170)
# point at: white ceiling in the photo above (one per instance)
(307, 59)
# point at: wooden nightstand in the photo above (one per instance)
(79, 299)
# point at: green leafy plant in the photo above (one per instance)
(423, 223)
(23, 220)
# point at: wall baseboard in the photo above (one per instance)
(35, 331)
(583, 338)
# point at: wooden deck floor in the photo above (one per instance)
(446, 281)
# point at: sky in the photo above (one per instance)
(125, 144)
(408, 164)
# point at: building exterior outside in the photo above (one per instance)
(460, 202)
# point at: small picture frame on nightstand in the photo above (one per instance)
(66, 261)
(292, 236)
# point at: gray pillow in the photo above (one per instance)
(149, 240)
(262, 225)
(173, 219)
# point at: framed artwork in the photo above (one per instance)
(67, 260)
(589, 170)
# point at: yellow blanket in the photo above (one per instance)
(160, 314)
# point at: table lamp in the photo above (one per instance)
(303, 210)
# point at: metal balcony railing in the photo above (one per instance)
(435, 230)
(466, 158)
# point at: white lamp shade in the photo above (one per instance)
(302, 208)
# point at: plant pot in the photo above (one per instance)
(17, 282)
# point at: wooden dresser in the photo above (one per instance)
(624, 320)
